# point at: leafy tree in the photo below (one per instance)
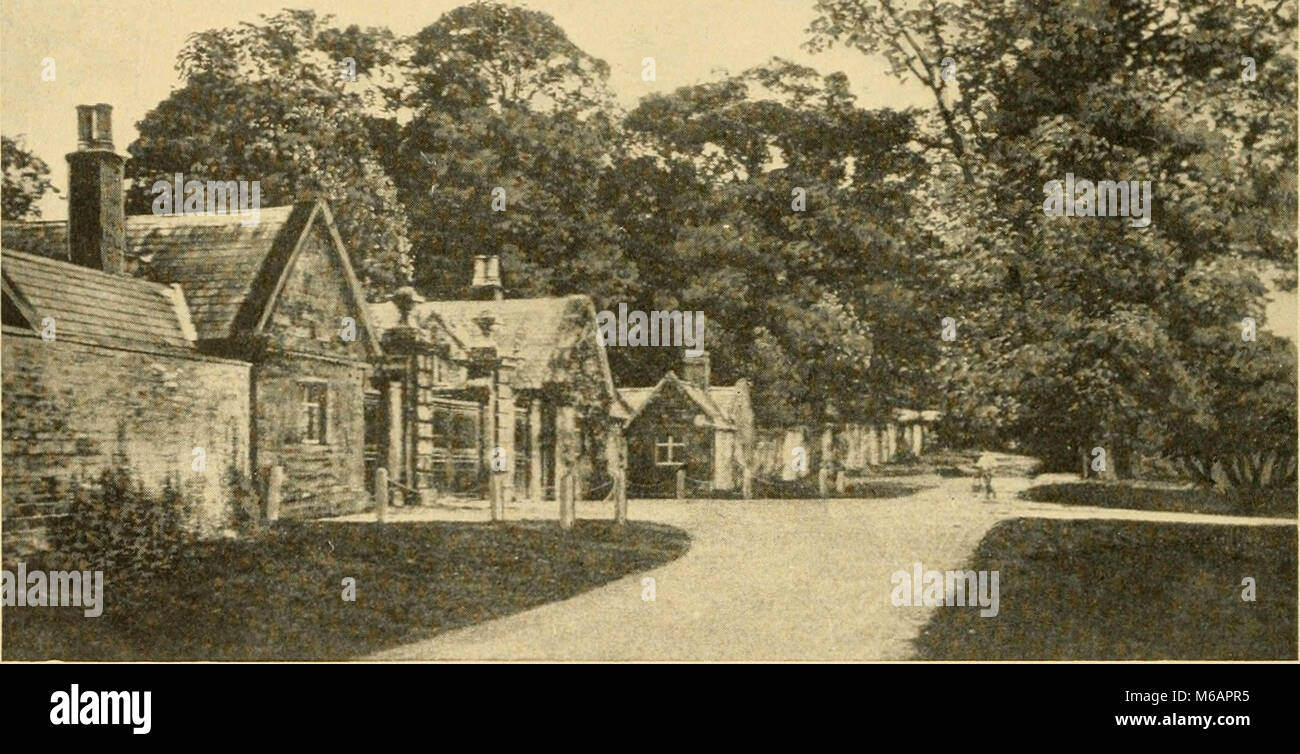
(784, 206)
(506, 109)
(1083, 332)
(26, 179)
(271, 102)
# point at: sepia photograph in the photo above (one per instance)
(671, 331)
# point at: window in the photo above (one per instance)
(312, 411)
(430, 370)
(670, 452)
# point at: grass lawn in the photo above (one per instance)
(1126, 590)
(1271, 503)
(280, 598)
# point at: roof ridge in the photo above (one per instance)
(81, 269)
(212, 219)
(41, 221)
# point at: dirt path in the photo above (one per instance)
(788, 580)
(768, 580)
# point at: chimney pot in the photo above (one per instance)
(85, 119)
(104, 126)
(480, 271)
(487, 277)
(96, 218)
(695, 369)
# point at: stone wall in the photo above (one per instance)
(319, 478)
(69, 409)
(306, 339)
(671, 413)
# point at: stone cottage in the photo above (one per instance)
(517, 386)
(687, 423)
(153, 337)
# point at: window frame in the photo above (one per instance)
(668, 444)
(307, 389)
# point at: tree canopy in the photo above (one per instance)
(26, 180)
(826, 243)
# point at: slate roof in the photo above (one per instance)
(636, 397)
(531, 331)
(639, 397)
(531, 334)
(215, 259)
(89, 306)
(385, 315)
(228, 271)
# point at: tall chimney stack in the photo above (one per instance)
(487, 278)
(695, 369)
(96, 216)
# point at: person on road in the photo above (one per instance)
(985, 464)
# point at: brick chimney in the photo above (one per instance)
(96, 217)
(487, 278)
(695, 369)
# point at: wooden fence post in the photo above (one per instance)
(496, 495)
(620, 498)
(565, 492)
(681, 483)
(746, 483)
(381, 494)
(274, 492)
(825, 459)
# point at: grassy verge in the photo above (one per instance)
(280, 597)
(1126, 590)
(1159, 498)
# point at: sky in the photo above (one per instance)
(123, 53)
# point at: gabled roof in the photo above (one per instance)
(385, 315)
(218, 261)
(534, 337)
(530, 331)
(726, 398)
(89, 306)
(230, 273)
(531, 334)
(638, 398)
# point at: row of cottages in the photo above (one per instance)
(520, 387)
(687, 423)
(187, 346)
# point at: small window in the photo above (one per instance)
(670, 452)
(312, 411)
(431, 367)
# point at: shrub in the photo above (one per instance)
(116, 524)
(245, 512)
